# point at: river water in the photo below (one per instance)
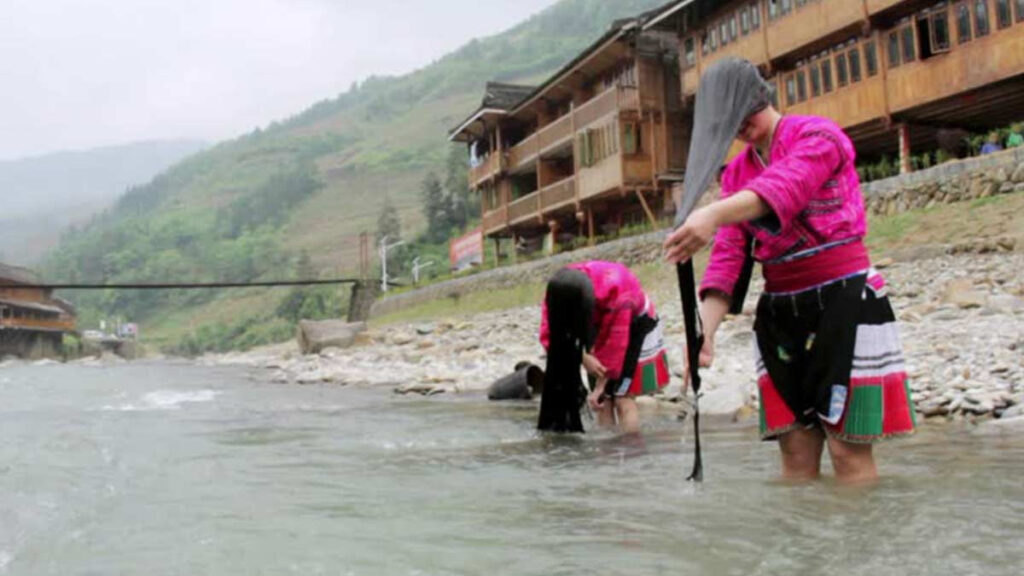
(163, 468)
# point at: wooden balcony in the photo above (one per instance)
(555, 134)
(601, 177)
(525, 152)
(850, 105)
(876, 6)
(608, 102)
(558, 195)
(495, 220)
(982, 61)
(811, 22)
(524, 209)
(488, 169)
(37, 324)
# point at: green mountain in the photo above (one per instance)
(45, 194)
(291, 199)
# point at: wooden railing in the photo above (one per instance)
(974, 64)
(876, 6)
(495, 220)
(558, 194)
(33, 323)
(810, 22)
(524, 208)
(489, 168)
(555, 133)
(601, 177)
(524, 152)
(598, 107)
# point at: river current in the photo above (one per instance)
(167, 468)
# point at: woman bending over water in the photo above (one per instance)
(596, 314)
(829, 360)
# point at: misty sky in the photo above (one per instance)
(77, 74)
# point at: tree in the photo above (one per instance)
(388, 223)
(465, 204)
(436, 208)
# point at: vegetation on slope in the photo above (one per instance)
(249, 208)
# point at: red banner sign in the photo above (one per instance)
(467, 251)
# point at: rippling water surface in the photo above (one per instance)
(177, 469)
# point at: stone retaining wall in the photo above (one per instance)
(956, 181)
(950, 182)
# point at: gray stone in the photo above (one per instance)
(1018, 174)
(425, 329)
(314, 337)
(726, 400)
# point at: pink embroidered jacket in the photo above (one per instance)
(812, 187)
(618, 297)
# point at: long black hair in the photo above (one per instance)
(570, 308)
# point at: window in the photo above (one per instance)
(963, 23)
(705, 45)
(1003, 16)
(755, 14)
(826, 75)
(801, 86)
(940, 31)
(907, 41)
(690, 53)
(745, 21)
(815, 81)
(1019, 7)
(791, 90)
(724, 31)
(773, 9)
(631, 138)
(981, 24)
(870, 59)
(714, 39)
(786, 6)
(855, 64)
(842, 72)
(894, 49)
(733, 30)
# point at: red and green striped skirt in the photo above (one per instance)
(831, 357)
(647, 344)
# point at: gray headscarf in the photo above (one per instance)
(731, 89)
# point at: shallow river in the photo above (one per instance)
(177, 469)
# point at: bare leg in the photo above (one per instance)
(854, 463)
(801, 453)
(628, 415)
(605, 414)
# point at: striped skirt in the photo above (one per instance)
(831, 357)
(645, 370)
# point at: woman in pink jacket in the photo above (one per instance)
(596, 314)
(828, 356)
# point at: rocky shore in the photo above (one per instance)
(962, 321)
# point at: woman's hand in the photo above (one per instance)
(593, 366)
(696, 233)
(596, 397)
(707, 357)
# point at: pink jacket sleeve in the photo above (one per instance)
(727, 251)
(788, 184)
(612, 340)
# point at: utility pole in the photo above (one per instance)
(384, 249)
(416, 267)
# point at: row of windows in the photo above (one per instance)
(596, 144)
(932, 28)
(727, 30)
(779, 8)
(851, 61)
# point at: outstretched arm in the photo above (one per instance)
(700, 228)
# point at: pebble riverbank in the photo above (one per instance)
(962, 322)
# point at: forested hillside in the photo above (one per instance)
(43, 195)
(292, 198)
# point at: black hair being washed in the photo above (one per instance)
(570, 306)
